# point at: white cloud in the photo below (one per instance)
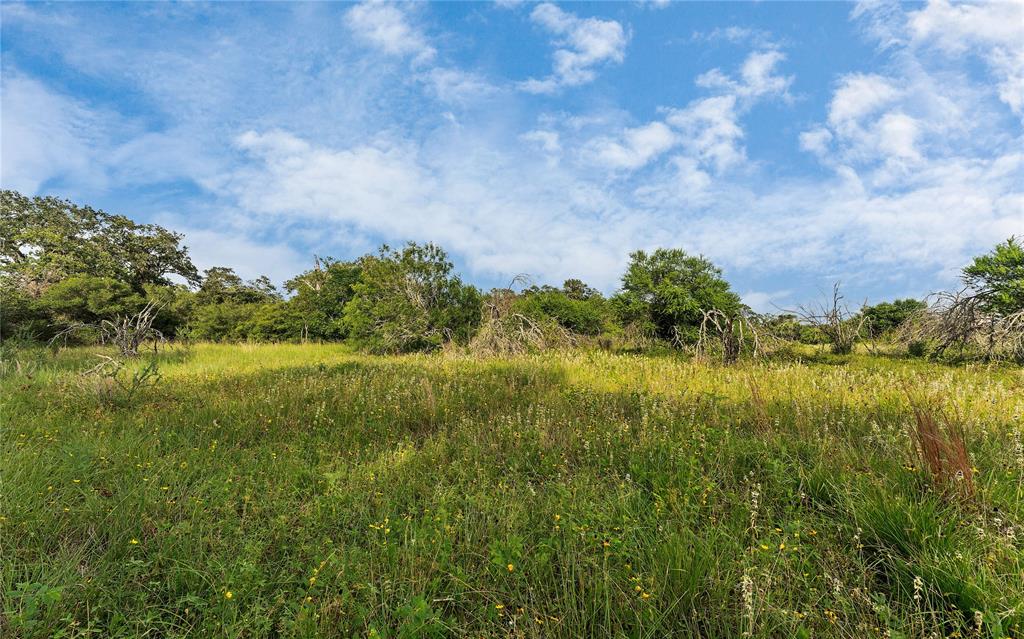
(816, 140)
(737, 35)
(860, 95)
(994, 30)
(766, 301)
(638, 146)
(456, 86)
(546, 140)
(584, 43)
(708, 129)
(249, 258)
(45, 135)
(386, 27)
(897, 135)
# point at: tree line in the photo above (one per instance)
(68, 265)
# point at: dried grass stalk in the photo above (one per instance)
(942, 446)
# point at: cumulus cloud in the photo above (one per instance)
(757, 77)
(387, 27)
(636, 147)
(859, 95)
(708, 129)
(583, 44)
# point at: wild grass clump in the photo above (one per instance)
(942, 445)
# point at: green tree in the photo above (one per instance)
(89, 299)
(888, 316)
(274, 322)
(320, 295)
(409, 300)
(44, 240)
(668, 290)
(998, 278)
(221, 322)
(22, 316)
(221, 284)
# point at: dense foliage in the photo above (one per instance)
(408, 300)
(575, 307)
(889, 316)
(668, 291)
(998, 278)
(62, 264)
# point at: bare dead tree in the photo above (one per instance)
(960, 321)
(127, 332)
(835, 320)
(731, 334)
(503, 331)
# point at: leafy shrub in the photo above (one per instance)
(409, 300)
(583, 315)
(221, 322)
(670, 291)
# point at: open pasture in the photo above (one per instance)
(306, 490)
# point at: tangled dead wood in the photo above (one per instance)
(960, 321)
(127, 332)
(504, 331)
(835, 320)
(730, 334)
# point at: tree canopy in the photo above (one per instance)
(408, 299)
(998, 277)
(668, 290)
(46, 239)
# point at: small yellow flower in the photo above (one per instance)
(510, 567)
(646, 595)
(782, 546)
(764, 546)
(499, 606)
(228, 594)
(134, 541)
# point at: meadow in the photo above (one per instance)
(313, 491)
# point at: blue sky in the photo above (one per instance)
(795, 144)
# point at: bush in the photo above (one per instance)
(582, 315)
(408, 300)
(88, 299)
(221, 322)
(277, 322)
(670, 291)
(917, 348)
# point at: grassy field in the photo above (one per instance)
(300, 491)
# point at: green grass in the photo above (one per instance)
(579, 494)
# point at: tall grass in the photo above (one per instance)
(306, 490)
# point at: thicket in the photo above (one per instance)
(64, 266)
